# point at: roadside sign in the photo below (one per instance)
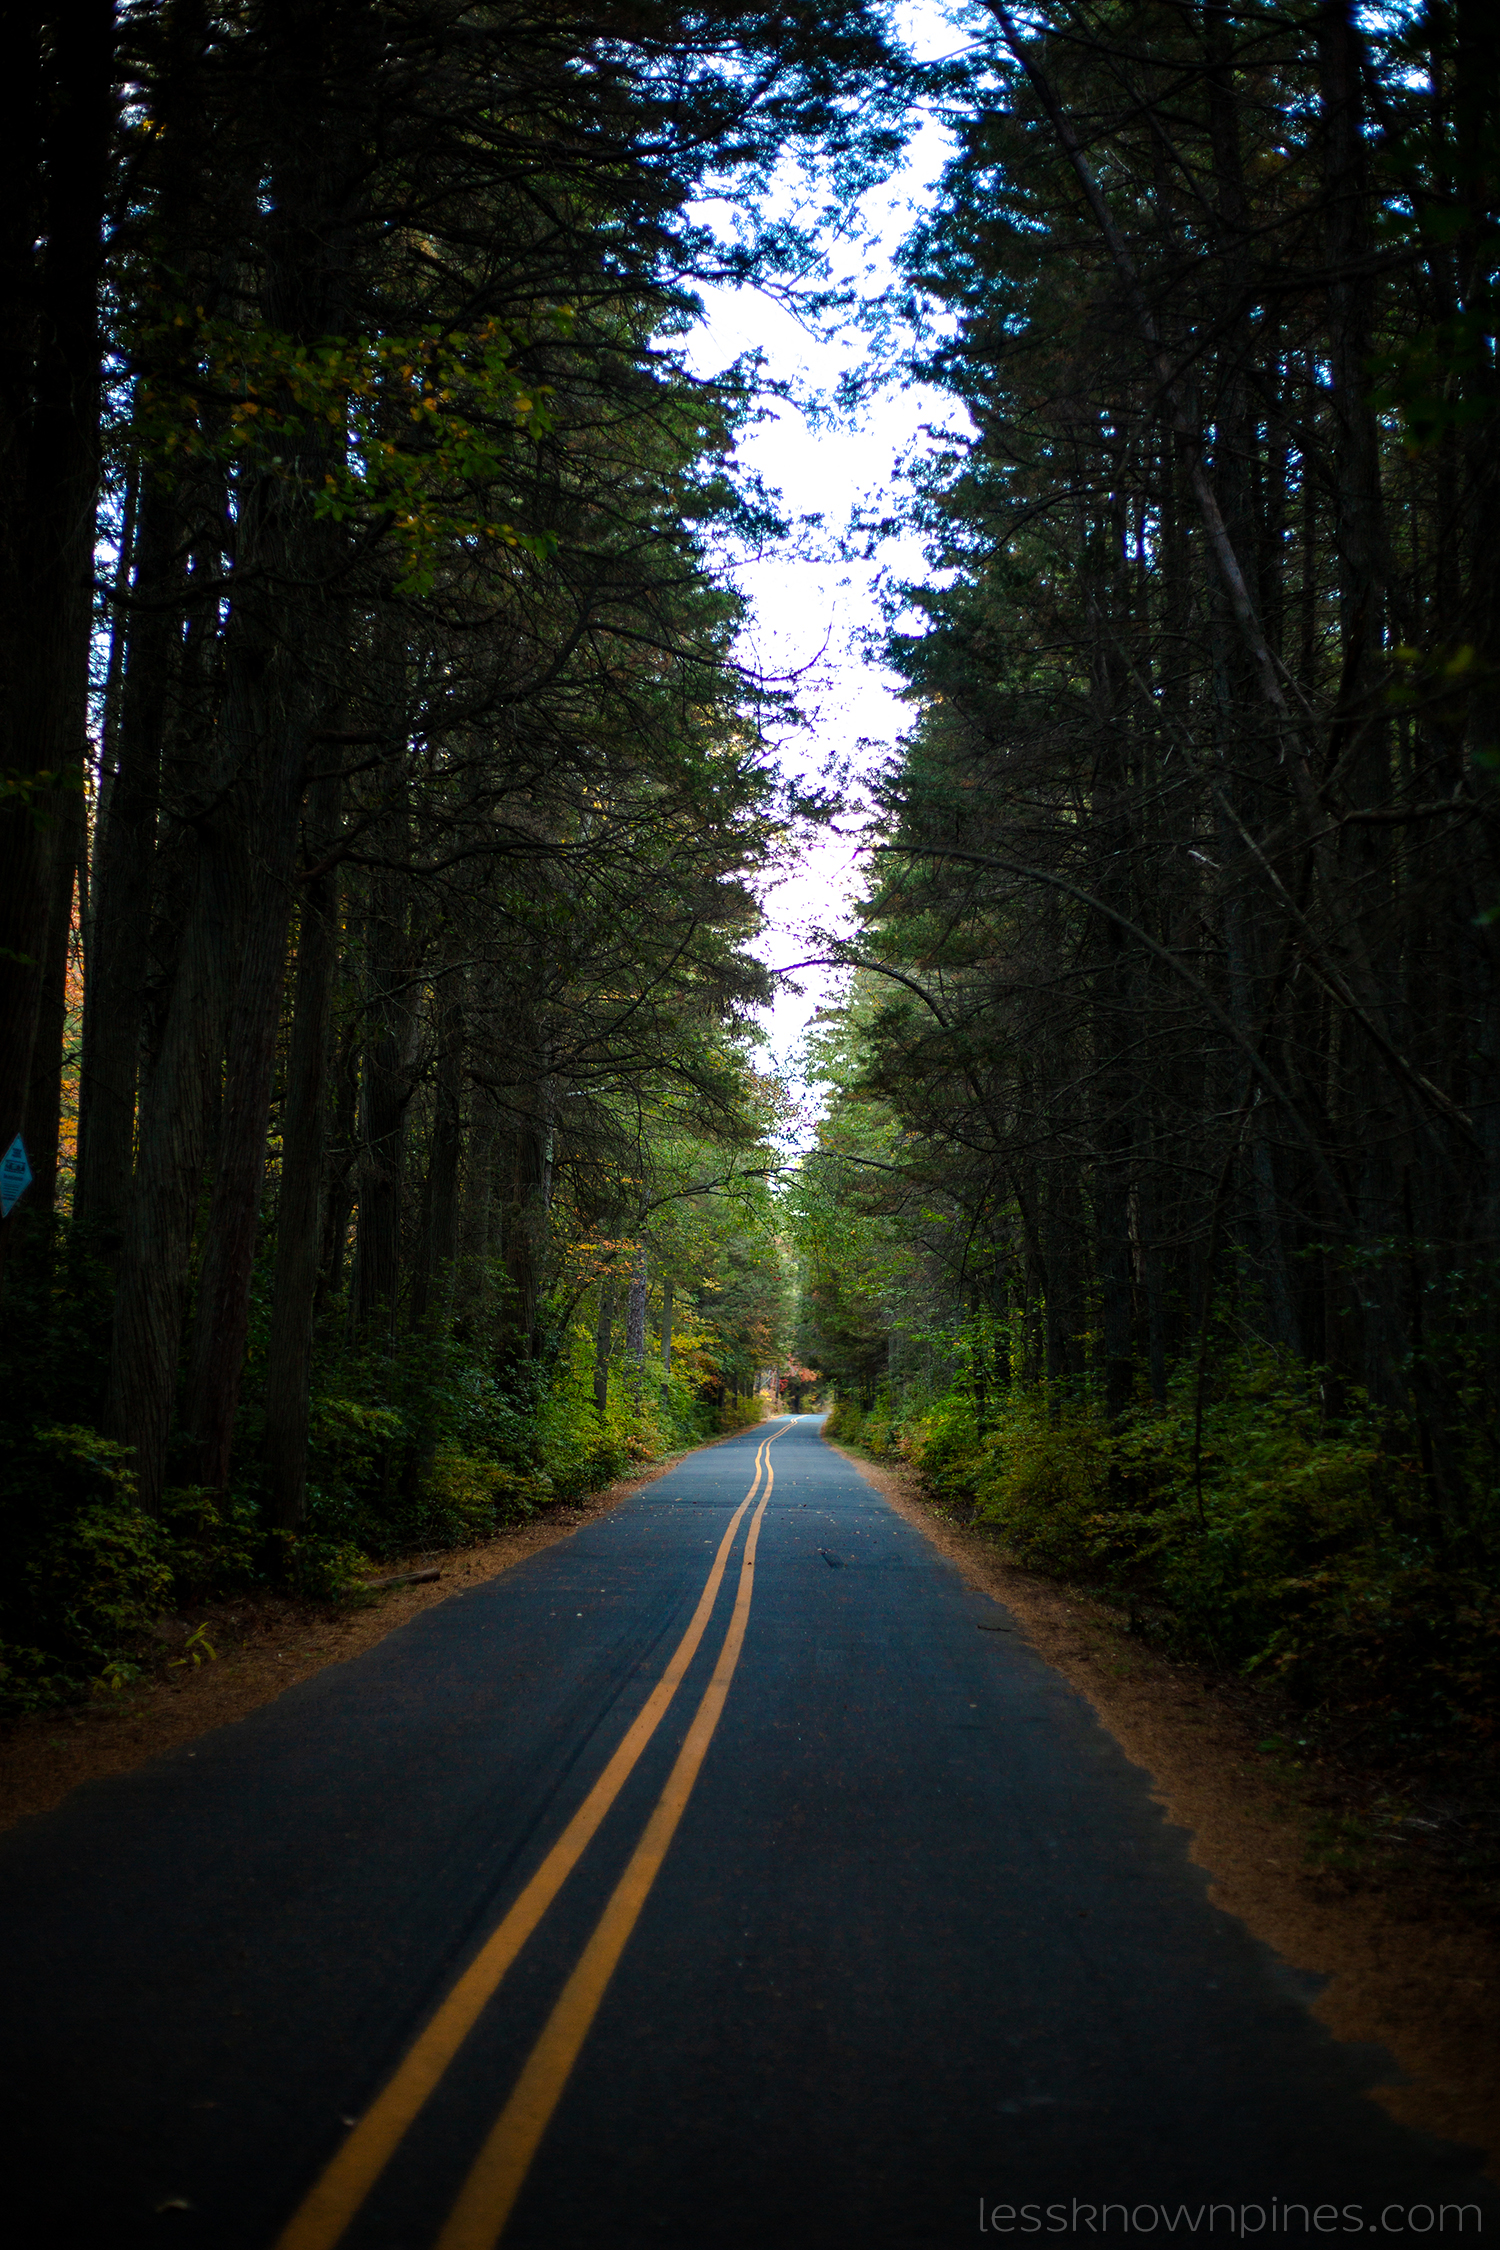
(15, 1176)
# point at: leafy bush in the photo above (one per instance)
(211, 1540)
(945, 1444)
(741, 1413)
(417, 1466)
(877, 1428)
(349, 1439)
(1291, 1543)
(86, 1570)
(581, 1452)
(476, 1496)
(421, 1447)
(881, 1426)
(845, 1424)
(1043, 1479)
(320, 1568)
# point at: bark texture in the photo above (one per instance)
(303, 1141)
(56, 118)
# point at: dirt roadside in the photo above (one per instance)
(1410, 1966)
(262, 1645)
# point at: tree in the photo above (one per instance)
(1185, 877)
(58, 123)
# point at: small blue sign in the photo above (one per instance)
(15, 1176)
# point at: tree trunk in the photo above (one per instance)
(475, 1290)
(635, 1328)
(115, 1001)
(386, 1094)
(289, 1353)
(268, 724)
(174, 1135)
(145, 653)
(338, 1208)
(432, 1282)
(526, 1230)
(603, 1336)
(42, 1128)
(1111, 1010)
(234, 943)
(56, 119)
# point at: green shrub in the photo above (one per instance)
(317, 1567)
(382, 1487)
(881, 1428)
(581, 1453)
(845, 1424)
(945, 1445)
(740, 1413)
(475, 1497)
(1041, 1478)
(418, 1447)
(86, 1569)
(211, 1540)
(349, 1440)
(878, 1428)
(1293, 1544)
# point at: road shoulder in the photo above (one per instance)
(1411, 1972)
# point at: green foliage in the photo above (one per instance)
(484, 509)
(212, 1540)
(85, 1571)
(947, 1440)
(582, 1452)
(413, 1448)
(320, 1568)
(880, 1425)
(1313, 1557)
(877, 1428)
(845, 1424)
(1044, 1480)
(418, 1446)
(741, 1413)
(407, 429)
(477, 1495)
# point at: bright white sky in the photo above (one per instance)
(813, 613)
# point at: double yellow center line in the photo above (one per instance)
(491, 2189)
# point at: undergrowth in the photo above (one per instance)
(1271, 1534)
(420, 1447)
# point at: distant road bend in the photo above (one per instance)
(728, 1874)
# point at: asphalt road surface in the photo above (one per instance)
(726, 1875)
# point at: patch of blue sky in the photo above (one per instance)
(821, 603)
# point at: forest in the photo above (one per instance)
(388, 805)
(385, 793)
(1154, 1210)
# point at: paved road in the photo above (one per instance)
(641, 1897)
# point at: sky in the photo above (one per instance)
(807, 615)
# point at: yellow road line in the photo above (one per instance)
(489, 2193)
(343, 2187)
